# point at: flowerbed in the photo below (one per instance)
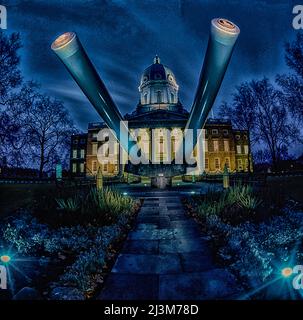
(254, 244)
(81, 253)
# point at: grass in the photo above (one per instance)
(292, 187)
(16, 196)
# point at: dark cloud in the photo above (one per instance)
(122, 37)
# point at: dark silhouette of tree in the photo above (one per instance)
(10, 75)
(242, 113)
(48, 128)
(292, 84)
(35, 129)
(260, 108)
(10, 80)
(273, 124)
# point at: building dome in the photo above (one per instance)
(158, 87)
(158, 72)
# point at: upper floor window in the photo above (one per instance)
(82, 141)
(206, 145)
(216, 145)
(75, 154)
(246, 149)
(226, 145)
(95, 135)
(237, 137)
(227, 162)
(225, 132)
(74, 167)
(95, 149)
(239, 149)
(215, 131)
(75, 141)
(82, 154)
(145, 98)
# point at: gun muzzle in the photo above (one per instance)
(71, 52)
(222, 40)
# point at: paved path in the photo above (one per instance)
(166, 258)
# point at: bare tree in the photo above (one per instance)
(10, 80)
(242, 113)
(48, 128)
(273, 124)
(292, 84)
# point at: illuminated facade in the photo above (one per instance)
(160, 110)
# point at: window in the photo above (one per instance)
(159, 97)
(239, 149)
(82, 141)
(226, 145)
(245, 137)
(74, 167)
(75, 141)
(217, 163)
(206, 145)
(105, 167)
(145, 98)
(246, 149)
(95, 135)
(206, 163)
(94, 166)
(82, 153)
(237, 137)
(161, 147)
(81, 167)
(215, 131)
(225, 132)
(216, 145)
(75, 154)
(240, 164)
(172, 97)
(227, 162)
(246, 164)
(95, 149)
(173, 146)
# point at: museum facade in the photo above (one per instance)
(160, 115)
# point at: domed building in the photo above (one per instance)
(159, 110)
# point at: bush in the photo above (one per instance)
(235, 205)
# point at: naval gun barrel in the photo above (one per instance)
(71, 52)
(222, 40)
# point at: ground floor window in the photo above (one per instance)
(240, 166)
(217, 163)
(94, 166)
(81, 167)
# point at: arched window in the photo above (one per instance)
(159, 97)
(172, 97)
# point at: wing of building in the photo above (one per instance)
(160, 112)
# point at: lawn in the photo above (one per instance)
(290, 186)
(16, 196)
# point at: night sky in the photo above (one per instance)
(122, 38)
